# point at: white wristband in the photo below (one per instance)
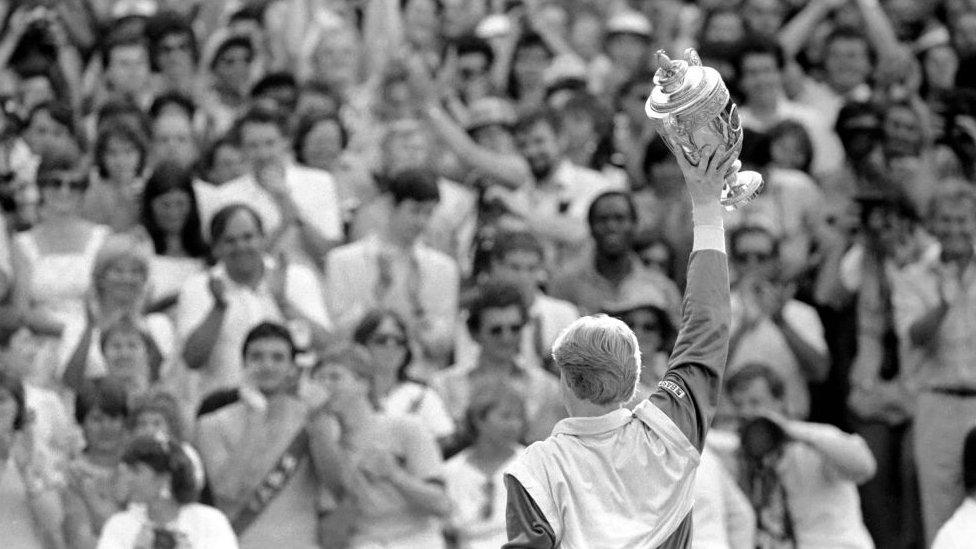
(709, 237)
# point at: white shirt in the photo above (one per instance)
(828, 152)
(246, 308)
(199, 525)
(723, 517)
(312, 190)
(959, 532)
(353, 275)
(468, 489)
(624, 479)
(767, 344)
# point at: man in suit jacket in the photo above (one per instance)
(394, 270)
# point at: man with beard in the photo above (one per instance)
(555, 206)
(613, 269)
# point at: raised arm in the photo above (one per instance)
(688, 393)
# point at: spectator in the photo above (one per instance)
(297, 205)
(231, 66)
(90, 496)
(174, 52)
(931, 305)
(159, 414)
(384, 335)
(769, 324)
(54, 260)
(475, 485)
(127, 72)
(157, 480)
(393, 270)
(118, 290)
(171, 219)
(216, 309)
(556, 204)
(517, 258)
(112, 198)
(48, 127)
(224, 162)
(174, 139)
(256, 450)
(388, 468)
(612, 268)
(495, 322)
(790, 468)
(957, 531)
(31, 512)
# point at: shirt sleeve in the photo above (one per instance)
(322, 211)
(688, 393)
(306, 294)
(193, 305)
(526, 525)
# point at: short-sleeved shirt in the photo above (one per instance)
(583, 286)
(246, 308)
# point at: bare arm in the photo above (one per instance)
(793, 37)
(510, 170)
(877, 27)
(847, 454)
(814, 363)
(199, 344)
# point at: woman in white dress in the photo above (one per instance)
(53, 261)
(171, 218)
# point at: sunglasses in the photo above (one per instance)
(497, 331)
(387, 339)
(174, 46)
(75, 184)
(7, 177)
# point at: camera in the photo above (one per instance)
(761, 437)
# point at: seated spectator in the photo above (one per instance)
(53, 261)
(496, 318)
(384, 334)
(171, 218)
(475, 485)
(791, 468)
(518, 258)
(174, 138)
(768, 324)
(112, 198)
(223, 162)
(31, 513)
(157, 482)
(90, 496)
(387, 469)
(118, 289)
(256, 450)
(160, 414)
(297, 205)
(612, 268)
(655, 253)
(217, 308)
(394, 270)
(957, 532)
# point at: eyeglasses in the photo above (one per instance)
(387, 339)
(7, 177)
(469, 73)
(170, 47)
(74, 183)
(510, 328)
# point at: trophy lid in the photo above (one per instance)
(680, 84)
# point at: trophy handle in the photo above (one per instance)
(692, 57)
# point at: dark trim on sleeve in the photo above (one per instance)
(527, 527)
(688, 393)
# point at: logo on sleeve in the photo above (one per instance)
(672, 387)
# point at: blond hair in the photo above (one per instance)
(599, 359)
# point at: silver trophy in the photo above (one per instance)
(688, 108)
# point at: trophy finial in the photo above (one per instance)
(662, 60)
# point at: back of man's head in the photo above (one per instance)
(599, 360)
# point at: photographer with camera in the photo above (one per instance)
(789, 469)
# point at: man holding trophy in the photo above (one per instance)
(609, 477)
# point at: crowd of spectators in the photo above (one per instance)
(286, 273)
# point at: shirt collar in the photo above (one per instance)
(590, 426)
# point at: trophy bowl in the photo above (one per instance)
(689, 107)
